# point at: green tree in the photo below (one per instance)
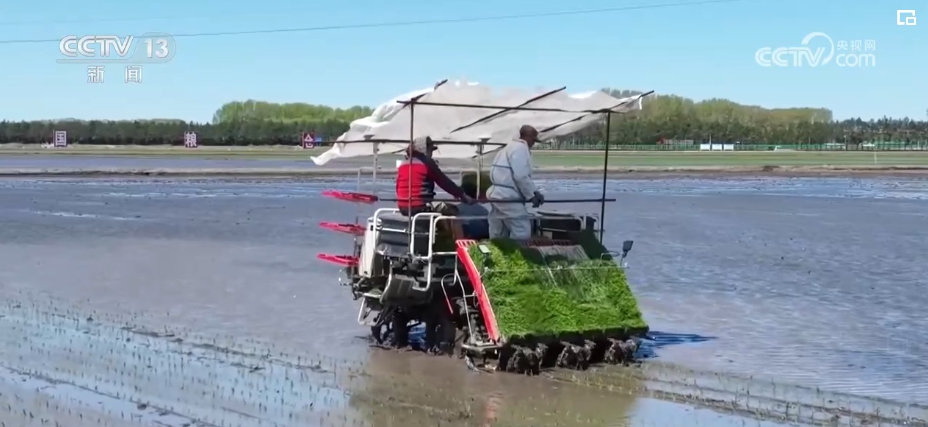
(665, 118)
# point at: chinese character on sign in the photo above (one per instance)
(869, 45)
(905, 17)
(134, 74)
(857, 45)
(190, 139)
(61, 138)
(309, 140)
(842, 44)
(95, 74)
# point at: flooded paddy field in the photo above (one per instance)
(239, 159)
(298, 160)
(60, 367)
(202, 303)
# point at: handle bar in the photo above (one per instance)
(373, 198)
(509, 200)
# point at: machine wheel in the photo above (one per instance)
(575, 356)
(621, 351)
(523, 360)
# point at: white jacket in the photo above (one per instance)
(511, 173)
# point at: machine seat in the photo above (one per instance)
(400, 291)
(558, 225)
(394, 234)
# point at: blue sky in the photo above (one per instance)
(698, 51)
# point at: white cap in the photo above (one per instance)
(421, 144)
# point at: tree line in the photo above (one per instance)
(664, 119)
(674, 119)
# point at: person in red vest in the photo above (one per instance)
(415, 191)
(416, 178)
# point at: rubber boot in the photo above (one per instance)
(432, 327)
(400, 330)
(447, 332)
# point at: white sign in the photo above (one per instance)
(61, 138)
(149, 48)
(847, 53)
(905, 17)
(716, 147)
(190, 139)
(309, 140)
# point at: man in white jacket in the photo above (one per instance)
(511, 176)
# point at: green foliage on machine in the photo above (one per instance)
(549, 291)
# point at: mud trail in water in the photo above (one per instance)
(62, 364)
(99, 369)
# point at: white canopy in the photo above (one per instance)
(391, 121)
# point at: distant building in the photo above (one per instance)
(663, 141)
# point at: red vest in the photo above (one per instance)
(414, 186)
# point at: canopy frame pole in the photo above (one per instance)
(374, 174)
(522, 107)
(602, 204)
(511, 109)
(483, 142)
(357, 212)
(409, 151)
(357, 208)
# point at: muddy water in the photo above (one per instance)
(811, 282)
(61, 367)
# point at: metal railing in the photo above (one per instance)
(866, 146)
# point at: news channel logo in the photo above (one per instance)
(150, 48)
(825, 51)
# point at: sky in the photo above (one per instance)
(699, 51)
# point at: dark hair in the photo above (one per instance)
(469, 188)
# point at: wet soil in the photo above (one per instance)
(813, 286)
(60, 367)
(97, 166)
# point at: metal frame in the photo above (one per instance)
(523, 107)
(434, 217)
